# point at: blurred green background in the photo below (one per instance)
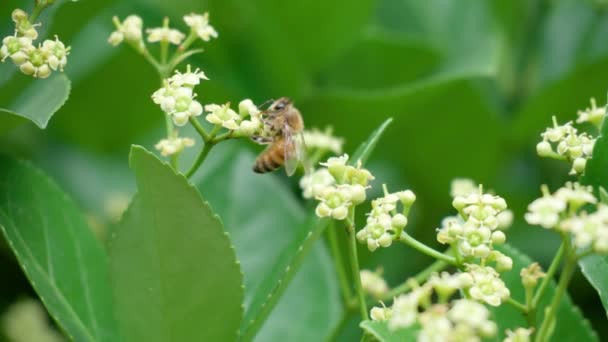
(471, 84)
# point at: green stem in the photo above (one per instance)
(182, 48)
(354, 263)
(424, 249)
(200, 129)
(420, 278)
(550, 273)
(38, 8)
(164, 45)
(339, 263)
(570, 266)
(516, 304)
(199, 160)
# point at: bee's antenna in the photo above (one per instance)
(266, 102)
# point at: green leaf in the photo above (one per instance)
(381, 60)
(268, 227)
(36, 103)
(572, 325)
(382, 333)
(596, 170)
(364, 151)
(59, 254)
(174, 272)
(595, 269)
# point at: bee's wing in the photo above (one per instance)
(295, 152)
(291, 147)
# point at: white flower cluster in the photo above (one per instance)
(593, 115)
(168, 147)
(560, 211)
(131, 31)
(177, 98)
(385, 222)
(245, 123)
(315, 139)
(347, 189)
(459, 320)
(570, 145)
(37, 61)
(477, 229)
(373, 283)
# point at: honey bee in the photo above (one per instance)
(283, 128)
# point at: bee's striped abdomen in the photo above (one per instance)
(271, 159)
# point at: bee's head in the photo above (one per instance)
(281, 103)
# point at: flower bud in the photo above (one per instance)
(459, 203)
(498, 237)
(406, 197)
(579, 165)
(340, 213)
(357, 193)
(399, 221)
(544, 149)
(27, 68)
(116, 38)
(380, 314)
(531, 274)
(19, 15)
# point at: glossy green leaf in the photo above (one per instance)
(174, 272)
(595, 269)
(572, 326)
(273, 240)
(59, 254)
(596, 170)
(381, 331)
(364, 151)
(36, 103)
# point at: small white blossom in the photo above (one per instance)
(56, 53)
(487, 286)
(545, 211)
(17, 48)
(323, 141)
(474, 316)
(435, 325)
(380, 313)
(373, 284)
(23, 26)
(405, 307)
(576, 195)
(530, 275)
(593, 115)
(165, 34)
(200, 25)
(519, 335)
(222, 115)
(168, 147)
(334, 202)
(572, 146)
(130, 30)
(187, 79)
(446, 284)
(314, 183)
(337, 166)
(252, 123)
(462, 187)
(36, 64)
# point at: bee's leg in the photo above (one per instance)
(262, 140)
